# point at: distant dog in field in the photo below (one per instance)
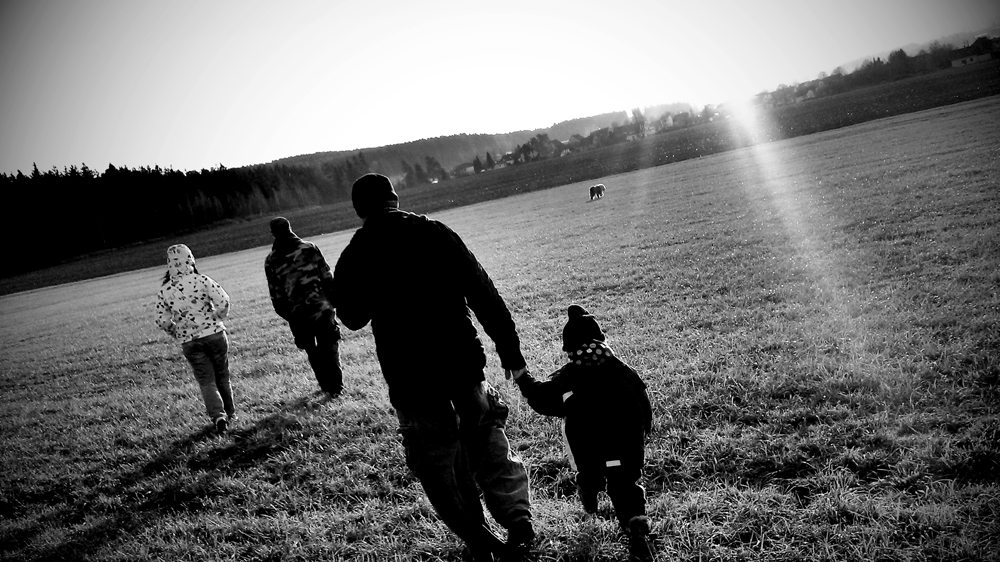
(597, 191)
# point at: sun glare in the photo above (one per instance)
(799, 209)
(750, 121)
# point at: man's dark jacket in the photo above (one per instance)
(418, 284)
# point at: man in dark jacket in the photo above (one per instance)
(607, 415)
(418, 284)
(301, 286)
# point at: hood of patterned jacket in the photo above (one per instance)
(189, 305)
(180, 261)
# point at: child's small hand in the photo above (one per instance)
(515, 373)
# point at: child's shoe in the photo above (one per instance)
(640, 542)
(221, 425)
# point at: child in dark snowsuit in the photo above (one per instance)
(607, 415)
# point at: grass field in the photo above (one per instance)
(816, 319)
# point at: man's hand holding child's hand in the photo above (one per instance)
(515, 373)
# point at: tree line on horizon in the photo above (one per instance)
(897, 65)
(76, 211)
(542, 147)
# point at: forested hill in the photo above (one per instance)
(450, 151)
(454, 150)
(955, 40)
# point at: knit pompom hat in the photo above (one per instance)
(581, 328)
(372, 192)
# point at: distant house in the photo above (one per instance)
(574, 144)
(982, 49)
(463, 170)
(666, 121)
(629, 131)
(962, 57)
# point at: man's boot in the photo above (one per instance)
(520, 542)
(483, 545)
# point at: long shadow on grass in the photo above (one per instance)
(244, 446)
(180, 479)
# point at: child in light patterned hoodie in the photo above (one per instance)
(190, 307)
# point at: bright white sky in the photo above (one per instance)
(190, 84)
